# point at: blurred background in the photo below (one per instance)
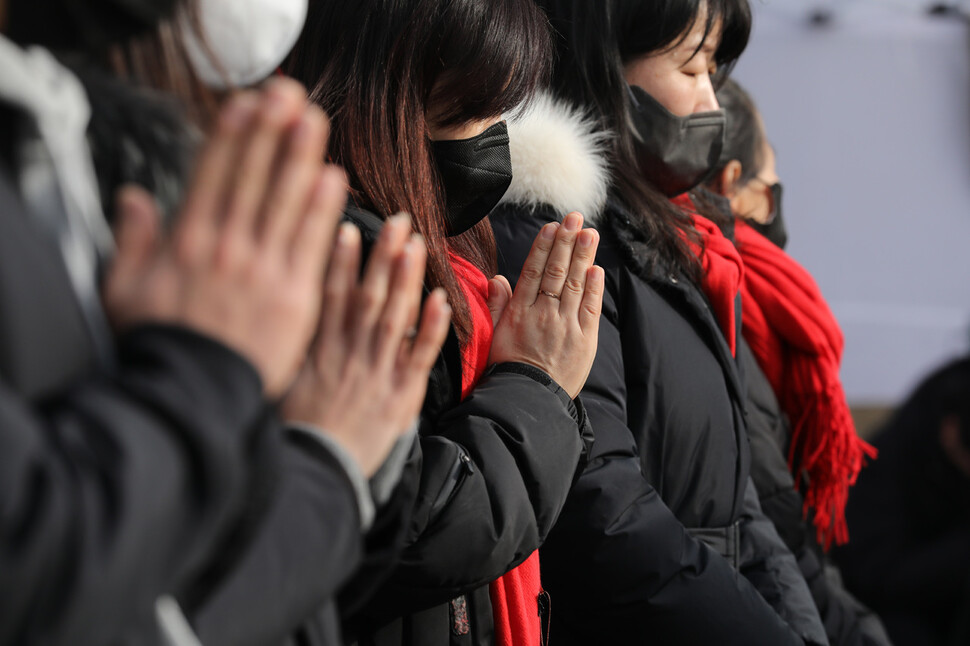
(867, 103)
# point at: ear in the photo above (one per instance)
(728, 178)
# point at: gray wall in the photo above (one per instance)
(870, 117)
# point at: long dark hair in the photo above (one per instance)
(379, 66)
(594, 41)
(744, 138)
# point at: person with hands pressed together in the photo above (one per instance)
(125, 474)
(417, 125)
(661, 539)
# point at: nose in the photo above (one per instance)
(706, 100)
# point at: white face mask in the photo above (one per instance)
(248, 38)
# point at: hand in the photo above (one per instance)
(552, 319)
(364, 382)
(245, 259)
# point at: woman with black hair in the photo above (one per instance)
(634, 95)
(791, 359)
(416, 90)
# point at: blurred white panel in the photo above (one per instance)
(870, 116)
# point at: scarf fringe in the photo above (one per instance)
(826, 447)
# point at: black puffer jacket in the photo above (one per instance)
(492, 475)
(300, 539)
(666, 401)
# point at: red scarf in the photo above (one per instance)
(515, 595)
(798, 344)
(723, 270)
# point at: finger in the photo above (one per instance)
(584, 253)
(404, 296)
(557, 265)
(417, 292)
(499, 296)
(293, 189)
(337, 293)
(312, 239)
(281, 104)
(592, 305)
(137, 231)
(202, 210)
(372, 294)
(435, 320)
(527, 288)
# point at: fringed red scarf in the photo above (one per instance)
(515, 595)
(798, 344)
(723, 270)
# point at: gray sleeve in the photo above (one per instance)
(365, 501)
(383, 483)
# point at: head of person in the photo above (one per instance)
(89, 26)
(416, 90)
(748, 176)
(941, 406)
(647, 71)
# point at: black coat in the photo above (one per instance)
(631, 558)
(168, 465)
(116, 486)
(491, 475)
(655, 375)
(909, 519)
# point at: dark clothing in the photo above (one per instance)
(909, 515)
(149, 477)
(666, 402)
(492, 473)
(307, 545)
(847, 621)
(120, 487)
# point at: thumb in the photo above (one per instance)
(499, 295)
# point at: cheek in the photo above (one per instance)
(673, 89)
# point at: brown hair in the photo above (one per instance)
(379, 66)
(158, 60)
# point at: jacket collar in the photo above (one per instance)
(558, 160)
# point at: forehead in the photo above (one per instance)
(699, 38)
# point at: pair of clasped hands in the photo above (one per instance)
(257, 260)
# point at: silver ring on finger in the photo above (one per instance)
(549, 294)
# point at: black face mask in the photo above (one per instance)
(676, 153)
(774, 229)
(476, 173)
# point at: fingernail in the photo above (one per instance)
(346, 234)
(586, 239)
(549, 231)
(238, 111)
(304, 129)
(392, 224)
(275, 105)
(573, 222)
